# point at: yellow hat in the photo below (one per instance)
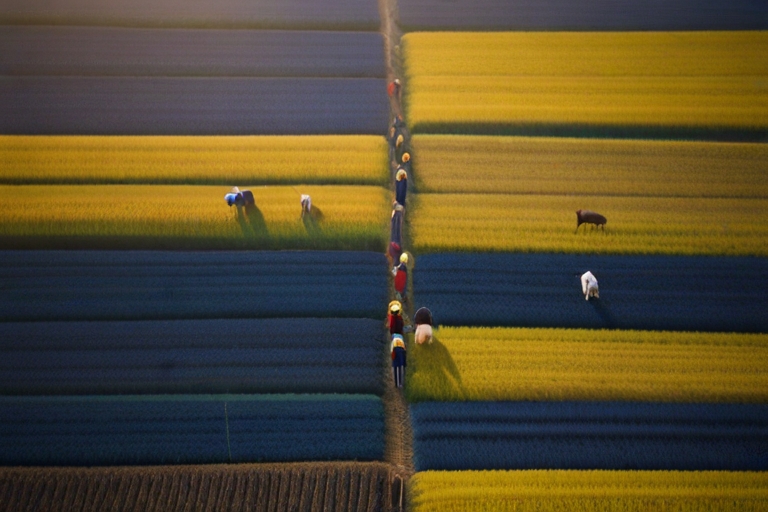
(394, 307)
(404, 258)
(401, 175)
(399, 140)
(406, 157)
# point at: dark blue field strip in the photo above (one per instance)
(589, 435)
(69, 105)
(636, 292)
(299, 355)
(189, 430)
(583, 15)
(114, 51)
(145, 285)
(309, 14)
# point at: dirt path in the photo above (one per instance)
(398, 431)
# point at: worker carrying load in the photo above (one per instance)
(239, 198)
(395, 318)
(401, 278)
(589, 286)
(398, 359)
(423, 321)
(401, 186)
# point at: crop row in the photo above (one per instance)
(58, 105)
(547, 223)
(191, 217)
(636, 292)
(297, 355)
(136, 285)
(559, 490)
(113, 51)
(589, 167)
(553, 15)
(189, 429)
(564, 364)
(294, 14)
(255, 160)
(340, 486)
(693, 84)
(589, 435)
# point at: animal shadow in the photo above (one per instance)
(252, 222)
(435, 365)
(604, 313)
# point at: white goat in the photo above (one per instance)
(589, 286)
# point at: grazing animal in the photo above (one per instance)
(306, 204)
(589, 286)
(590, 217)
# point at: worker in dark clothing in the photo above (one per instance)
(398, 359)
(395, 318)
(401, 278)
(401, 186)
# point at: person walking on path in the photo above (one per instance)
(401, 278)
(395, 318)
(398, 359)
(395, 90)
(401, 186)
(396, 233)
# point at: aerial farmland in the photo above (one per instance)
(198, 204)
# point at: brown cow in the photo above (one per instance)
(589, 217)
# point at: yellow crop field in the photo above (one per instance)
(191, 217)
(546, 223)
(540, 165)
(215, 160)
(507, 81)
(597, 490)
(468, 363)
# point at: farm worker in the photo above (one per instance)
(423, 321)
(396, 224)
(395, 318)
(239, 198)
(398, 359)
(401, 186)
(400, 148)
(589, 286)
(394, 89)
(394, 252)
(306, 204)
(401, 277)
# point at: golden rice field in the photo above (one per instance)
(698, 80)
(191, 217)
(219, 160)
(595, 490)
(539, 165)
(466, 363)
(546, 223)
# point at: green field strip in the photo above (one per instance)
(191, 217)
(511, 364)
(568, 166)
(200, 160)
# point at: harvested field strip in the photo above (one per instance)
(585, 15)
(636, 292)
(546, 223)
(189, 429)
(296, 355)
(589, 435)
(112, 51)
(232, 487)
(191, 217)
(559, 490)
(466, 363)
(270, 14)
(609, 84)
(136, 285)
(547, 166)
(44, 105)
(202, 160)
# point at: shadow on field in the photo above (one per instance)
(252, 222)
(312, 222)
(438, 373)
(604, 313)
